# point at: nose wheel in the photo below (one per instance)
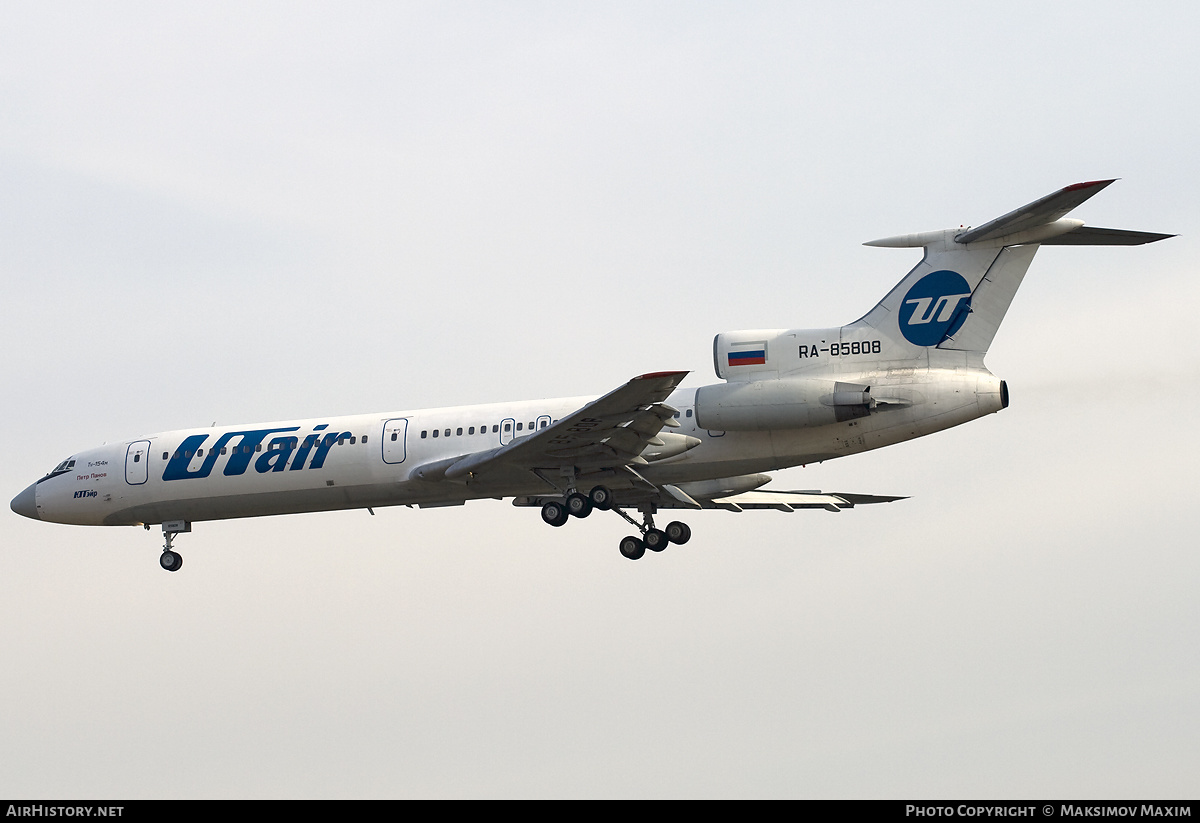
(170, 559)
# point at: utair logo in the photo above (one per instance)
(246, 449)
(935, 307)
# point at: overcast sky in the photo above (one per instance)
(236, 212)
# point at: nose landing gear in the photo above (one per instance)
(170, 559)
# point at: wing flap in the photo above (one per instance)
(672, 497)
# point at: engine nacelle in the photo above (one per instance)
(794, 403)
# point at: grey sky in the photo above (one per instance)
(246, 212)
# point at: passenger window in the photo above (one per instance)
(352, 440)
(459, 431)
(519, 425)
(165, 455)
(137, 458)
(496, 428)
(471, 430)
(422, 435)
(447, 432)
(435, 432)
(394, 436)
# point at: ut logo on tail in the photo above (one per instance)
(935, 307)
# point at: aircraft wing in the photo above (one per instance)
(609, 432)
(788, 501)
(672, 497)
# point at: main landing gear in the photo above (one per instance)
(576, 504)
(653, 539)
(170, 559)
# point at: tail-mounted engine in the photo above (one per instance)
(780, 404)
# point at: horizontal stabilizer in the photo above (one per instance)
(1092, 236)
(1038, 213)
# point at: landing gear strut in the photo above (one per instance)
(170, 559)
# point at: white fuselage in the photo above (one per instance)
(370, 460)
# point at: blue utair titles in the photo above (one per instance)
(279, 451)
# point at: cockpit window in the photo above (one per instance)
(61, 468)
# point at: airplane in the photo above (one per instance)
(911, 366)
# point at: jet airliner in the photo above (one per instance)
(911, 366)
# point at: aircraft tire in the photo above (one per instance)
(554, 513)
(578, 505)
(678, 533)
(601, 498)
(656, 540)
(171, 561)
(632, 548)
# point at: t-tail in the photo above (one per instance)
(914, 363)
(945, 310)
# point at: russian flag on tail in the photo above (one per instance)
(749, 354)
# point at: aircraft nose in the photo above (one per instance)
(25, 503)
